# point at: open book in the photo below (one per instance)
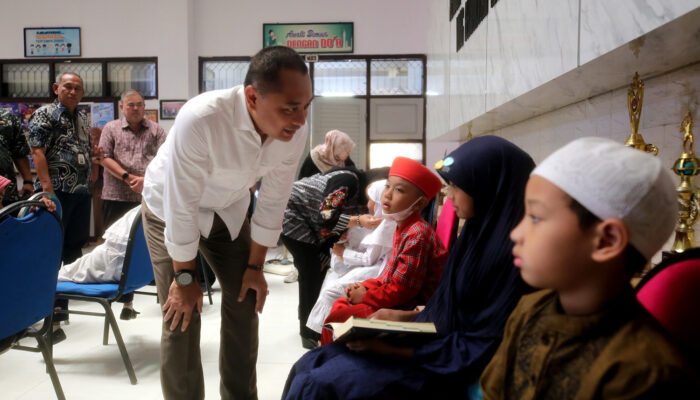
(393, 331)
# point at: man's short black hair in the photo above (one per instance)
(265, 66)
(634, 260)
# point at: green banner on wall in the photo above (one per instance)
(311, 38)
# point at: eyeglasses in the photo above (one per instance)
(135, 105)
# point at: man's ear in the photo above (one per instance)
(55, 88)
(610, 241)
(251, 97)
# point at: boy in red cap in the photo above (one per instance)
(413, 271)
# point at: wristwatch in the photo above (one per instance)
(125, 175)
(255, 267)
(184, 278)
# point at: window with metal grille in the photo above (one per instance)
(140, 76)
(26, 80)
(396, 77)
(90, 72)
(222, 74)
(340, 78)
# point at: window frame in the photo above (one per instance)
(367, 97)
(4, 95)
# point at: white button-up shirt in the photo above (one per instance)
(209, 161)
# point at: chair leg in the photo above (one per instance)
(105, 335)
(50, 368)
(120, 341)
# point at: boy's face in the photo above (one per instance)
(550, 248)
(399, 194)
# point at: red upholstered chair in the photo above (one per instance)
(671, 293)
(447, 223)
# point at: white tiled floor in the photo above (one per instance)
(89, 370)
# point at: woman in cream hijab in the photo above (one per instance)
(335, 152)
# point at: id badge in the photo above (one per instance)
(81, 159)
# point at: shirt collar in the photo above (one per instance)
(409, 221)
(617, 311)
(125, 123)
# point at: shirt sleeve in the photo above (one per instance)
(409, 273)
(332, 207)
(18, 145)
(183, 187)
(368, 257)
(39, 129)
(266, 223)
(160, 136)
(107, 141)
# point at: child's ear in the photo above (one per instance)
(611, 240)
(422, 202)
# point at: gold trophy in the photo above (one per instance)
(635, 97)
(688, 194)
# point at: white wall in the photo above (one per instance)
(524, 45)
(180, 31)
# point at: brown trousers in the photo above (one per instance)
(181, 373)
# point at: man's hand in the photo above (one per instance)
(338, 249)
(136, 183)
(254, 280)
(181, 303)
(356, 293)
(27, 189)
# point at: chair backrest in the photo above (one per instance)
(30, 257)
(672, 296)
(137, 270)
(447, 223)
(36, 196)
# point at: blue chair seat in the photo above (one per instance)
(88, 289)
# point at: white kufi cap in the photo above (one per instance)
(615, 181)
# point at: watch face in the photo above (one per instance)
(184, 279)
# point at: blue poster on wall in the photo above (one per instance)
(52, 42)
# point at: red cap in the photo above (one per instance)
(416, 173)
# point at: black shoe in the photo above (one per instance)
(309, 343)
(58, 336)
(128, 313)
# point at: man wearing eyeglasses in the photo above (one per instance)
(129, 144)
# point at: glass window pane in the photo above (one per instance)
(340, 78)
(26, 80)
(396, 76)
(90, 72)
(383, 154)
(132, 75)
(223, 74)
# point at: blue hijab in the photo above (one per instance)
(480, 286)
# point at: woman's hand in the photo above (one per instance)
(369, 221)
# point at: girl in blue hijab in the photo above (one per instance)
(478, 289)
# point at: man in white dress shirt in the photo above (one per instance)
(195, 198)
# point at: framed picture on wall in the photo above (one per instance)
(170, 108)
(151, 114)
(52, 42)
